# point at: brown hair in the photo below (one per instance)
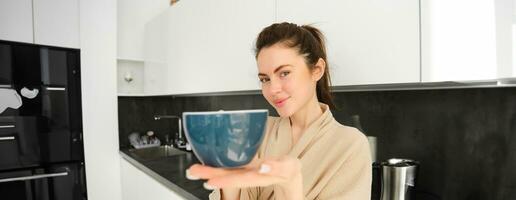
(309, 42)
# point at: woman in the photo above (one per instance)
(306, 153)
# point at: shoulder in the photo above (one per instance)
(348, 138)
(348, 133)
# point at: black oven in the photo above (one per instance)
(41, 148)
(57, 182)
(19, 142)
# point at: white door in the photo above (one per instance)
(56, 23)
(16, 20)
(210, 45)
(467, 40)
(368, 41)
(137, 185)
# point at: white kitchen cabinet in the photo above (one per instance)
(56, 23)
(466, 40)
(136, 185)
(16, 20)
(155, 68)
(209, 46)
(46, 22)
(368, 41)
(132, 15)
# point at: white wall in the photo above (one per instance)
(99, 101)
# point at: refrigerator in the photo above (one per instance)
(41, 146)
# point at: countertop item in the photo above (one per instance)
(170, 171)
(144, 141)
(226, 139)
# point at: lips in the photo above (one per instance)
(280, 102)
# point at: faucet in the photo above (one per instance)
(179, 142)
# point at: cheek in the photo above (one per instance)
(300, 87)
(296, 84)
(266, 94)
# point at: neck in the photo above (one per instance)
(308, 114)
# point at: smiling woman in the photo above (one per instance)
(306, 153)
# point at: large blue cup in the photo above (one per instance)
(225, 139)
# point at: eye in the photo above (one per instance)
(284, 73)
(264, 80)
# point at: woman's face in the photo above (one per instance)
(287, 83)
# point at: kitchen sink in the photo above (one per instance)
(152, 153)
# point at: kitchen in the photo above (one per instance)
(432, 81)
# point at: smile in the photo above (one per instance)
(281, 102)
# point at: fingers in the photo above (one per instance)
(198, 171)
(279, 170)
(259, 173)
(247, 178)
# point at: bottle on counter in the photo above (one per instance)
(355, 121)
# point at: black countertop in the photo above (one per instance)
(170, 171)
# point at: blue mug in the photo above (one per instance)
(225, 139)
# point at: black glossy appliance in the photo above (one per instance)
(41, 148)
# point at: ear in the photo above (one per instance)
(319, 69)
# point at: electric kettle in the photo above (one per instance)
(397, 179)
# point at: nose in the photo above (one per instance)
(275, 87)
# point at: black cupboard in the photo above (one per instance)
(41, 148)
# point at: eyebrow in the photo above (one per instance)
(275, 70)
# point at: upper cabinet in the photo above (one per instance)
(56, 22)
(16, 21)
(208, 46)
(132, 15)
(46, 22)
(462, 44)
(368, 41)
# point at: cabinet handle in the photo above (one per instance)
(39, 176)
(7, 126)
(5, 86)
(55, 88)
(7, 138)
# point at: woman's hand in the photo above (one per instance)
(284, 172)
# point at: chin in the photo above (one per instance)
(284, 112)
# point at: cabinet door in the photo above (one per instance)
(68, 187)
(210, 45)
(6, 65)
(19, 142)
(368, 41)
(16, 20)
(155, 71)
(16, 190)
(461, 44)
(132, 15)
(60, 104)
(26, 65)
(136, 185)
(56, 23)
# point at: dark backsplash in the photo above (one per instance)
(464, 139)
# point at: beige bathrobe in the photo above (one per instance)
(336, 162)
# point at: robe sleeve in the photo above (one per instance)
(353, 179)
